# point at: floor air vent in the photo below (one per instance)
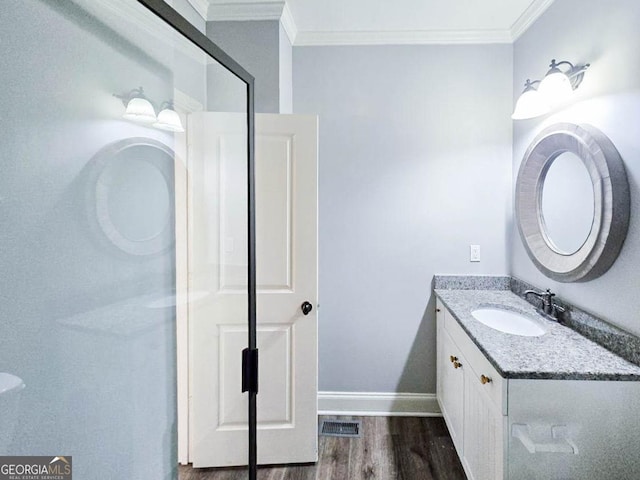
(340, 428)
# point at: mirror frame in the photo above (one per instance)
(611, 202)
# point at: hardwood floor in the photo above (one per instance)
(403, 448)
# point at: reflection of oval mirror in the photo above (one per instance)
(131, 195)
(138, 195)
(567, 203)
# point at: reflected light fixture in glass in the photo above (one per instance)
(168, 119)
(530, 103)
(138, 107)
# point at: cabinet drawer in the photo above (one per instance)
(479, 366)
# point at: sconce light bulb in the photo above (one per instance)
(530, 104)
(168, 119)
(555, 86)
(140, 110)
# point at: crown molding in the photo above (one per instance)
(279, 10)
(246, 11)
(200, 6)
(419, 37)
(530, 15)
(289, 24)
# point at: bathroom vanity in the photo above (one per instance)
(550, 406)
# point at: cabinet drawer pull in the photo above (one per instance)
(453, 359)
(457, 365)
(484, 379)
(438, 310)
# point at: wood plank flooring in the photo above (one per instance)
(402, 448)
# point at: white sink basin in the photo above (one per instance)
(507, 321)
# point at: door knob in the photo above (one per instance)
(306, 307)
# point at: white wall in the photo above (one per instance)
(606, 35)
(415, 165)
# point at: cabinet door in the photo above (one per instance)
(439, 329)
(451, 381)
(483, 431)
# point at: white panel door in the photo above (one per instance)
(286, 245)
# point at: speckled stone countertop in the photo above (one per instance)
(561, 353)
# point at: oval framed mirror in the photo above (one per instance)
(566, 214)
(131, 195)
(572, 202)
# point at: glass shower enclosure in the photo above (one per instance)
(125, 222)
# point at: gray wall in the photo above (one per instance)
(256, 46)
(285, 72)
(606, 35)
(225, 92)
(415, 165)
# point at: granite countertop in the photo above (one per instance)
(561, 353)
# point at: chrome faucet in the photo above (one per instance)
(548, 306)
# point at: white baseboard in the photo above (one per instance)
(378, 404)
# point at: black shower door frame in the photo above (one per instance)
(250, 356)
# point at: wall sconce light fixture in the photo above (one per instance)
(168, 119)
(531, 102)
(139, 109)
(556, 87)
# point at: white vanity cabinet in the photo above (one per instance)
(530, 429)
(451, 383)
(472, 398)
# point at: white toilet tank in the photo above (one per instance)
(10, 389)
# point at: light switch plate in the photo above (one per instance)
(474, 253)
